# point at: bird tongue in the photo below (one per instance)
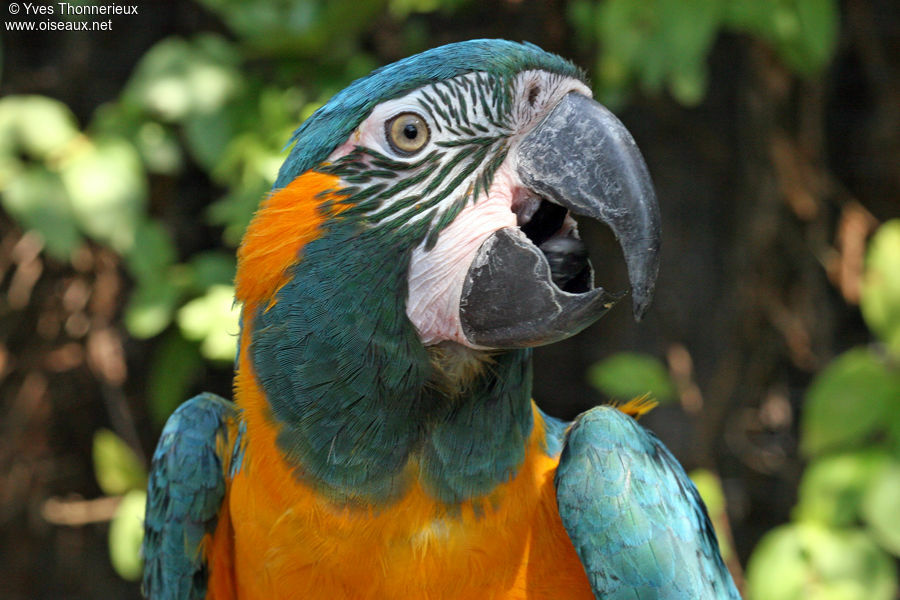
(570, 269)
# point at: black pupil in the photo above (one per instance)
(410, 131)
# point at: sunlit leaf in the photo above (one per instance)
(880, 300)
(176, 364)
(881, 508)
(847, 402)
(116, 466)
(688, 85)
(178, 78)
(126, 533)
(34, 125)
(808, 561)
(832, 487)
(151, 308)
(212, 320)
(108, 188)
(710, 488)
(628, 375)
(159, 149)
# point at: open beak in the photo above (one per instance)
(533, 285)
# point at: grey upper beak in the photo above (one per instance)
(582, 158)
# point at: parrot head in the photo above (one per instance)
(425, 210)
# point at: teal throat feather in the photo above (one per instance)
(355, 394)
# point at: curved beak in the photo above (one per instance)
(521, 291)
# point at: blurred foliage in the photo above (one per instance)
(663, 44)
(116, 466)
(126, 533)
(628, 375)
(710, 489)
(845, 525)
(120, 473)
(880, 302)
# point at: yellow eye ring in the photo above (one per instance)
(407, 133)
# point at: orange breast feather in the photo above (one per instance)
(276, 538)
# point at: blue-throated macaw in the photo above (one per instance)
(383, 442)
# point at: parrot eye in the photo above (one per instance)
(407, 133)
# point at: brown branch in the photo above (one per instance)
(76, 512)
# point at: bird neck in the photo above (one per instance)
(363, 410)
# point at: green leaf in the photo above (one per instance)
(212, 320)
(298, 29)
(658, 43)
(159, 149)
(802, 32)
(208, 136)
(629, 375)
(153, 253)
(212, 268)
(807, 561)
(36, 126)
(880, 300)
(156, 143)
(37, 199)
(832, 487)
(819, 26)
(126, 533)
(710, 489)
(235, 210)
(151, 308)
(177, 79)
(688, 85)
(582, 14)
(175, 366)
(108, 188)
(881, 507)
(116, 466)
(847, 402)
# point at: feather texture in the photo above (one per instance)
(185, 493)
(636, 519)
(331, 125)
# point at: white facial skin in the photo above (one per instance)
(436, 276)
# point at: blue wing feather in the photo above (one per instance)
(635, 518)
(184, 494)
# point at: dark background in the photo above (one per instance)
(769, 182)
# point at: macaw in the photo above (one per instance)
(383, 442)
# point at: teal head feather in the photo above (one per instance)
(333, 123)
